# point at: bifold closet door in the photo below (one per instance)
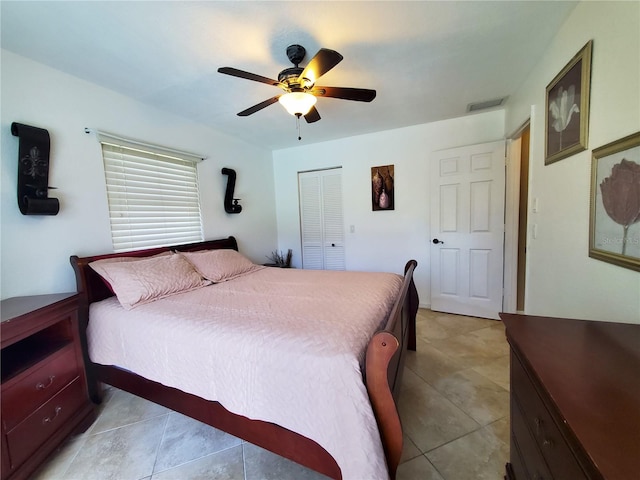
(321, 219)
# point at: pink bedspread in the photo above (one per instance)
(280, 345)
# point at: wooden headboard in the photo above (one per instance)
(92, 288)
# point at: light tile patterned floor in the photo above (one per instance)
(454, 406)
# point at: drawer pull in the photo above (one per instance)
(538, 423)
(46, 420)
(42, 386)
(540, 433)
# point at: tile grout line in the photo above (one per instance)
(155, 459)
(211, 454)
(244, 462)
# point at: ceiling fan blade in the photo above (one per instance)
(345, 93)
(321, 63)
(312, 116)
(258, 107)
(234, 72)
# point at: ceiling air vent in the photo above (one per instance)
(497, 102)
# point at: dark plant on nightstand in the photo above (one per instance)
(278, 259)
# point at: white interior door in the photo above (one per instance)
(467, 229)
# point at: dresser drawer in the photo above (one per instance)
(515, 470)
(544, 431)
(5, 463)
(25, 438)
(28, 392)
(529, 462)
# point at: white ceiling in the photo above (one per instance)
(427, 60)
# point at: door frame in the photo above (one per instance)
(512, 218)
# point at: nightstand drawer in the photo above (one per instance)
(26, 393)
(24, 439)
(544, 430)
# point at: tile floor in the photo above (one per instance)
(454, 406)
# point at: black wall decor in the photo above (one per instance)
(230, 203)
(33, 171)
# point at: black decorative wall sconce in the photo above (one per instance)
(230, 203)
(33, 171)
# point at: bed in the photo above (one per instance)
(252, 404)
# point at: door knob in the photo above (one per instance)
(436, 241)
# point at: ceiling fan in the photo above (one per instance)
(299, 84)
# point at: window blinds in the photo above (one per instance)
(153, 198)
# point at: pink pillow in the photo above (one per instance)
(141, 281)
(220, 265)
(96, 264)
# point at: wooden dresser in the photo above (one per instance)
(575, 399)
(44, 388)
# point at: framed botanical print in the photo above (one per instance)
(567, 108)
(614, 220)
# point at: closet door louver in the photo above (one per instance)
(321, 219)
(333, 224)
(311, 221)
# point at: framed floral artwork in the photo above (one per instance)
(382, 193)
(614, 220)
(567, 108)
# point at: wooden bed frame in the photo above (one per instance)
(383, 373)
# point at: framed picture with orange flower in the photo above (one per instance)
(567, 108)
(614, 220)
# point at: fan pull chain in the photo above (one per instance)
(298, 125)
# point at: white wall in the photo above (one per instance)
(383, 240)
(562, 280)
(36, 249)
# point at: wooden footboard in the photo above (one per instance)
(383, 374)
(269, 436)
(385, 364)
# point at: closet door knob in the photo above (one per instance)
(436, 241)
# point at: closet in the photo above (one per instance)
(321, 219)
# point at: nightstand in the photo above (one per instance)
(44, 386)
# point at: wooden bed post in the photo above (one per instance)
(381, 349)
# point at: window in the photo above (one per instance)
(152, 194)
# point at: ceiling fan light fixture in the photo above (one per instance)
(297, 103)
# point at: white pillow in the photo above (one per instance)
(142, 280)
(221, 265)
